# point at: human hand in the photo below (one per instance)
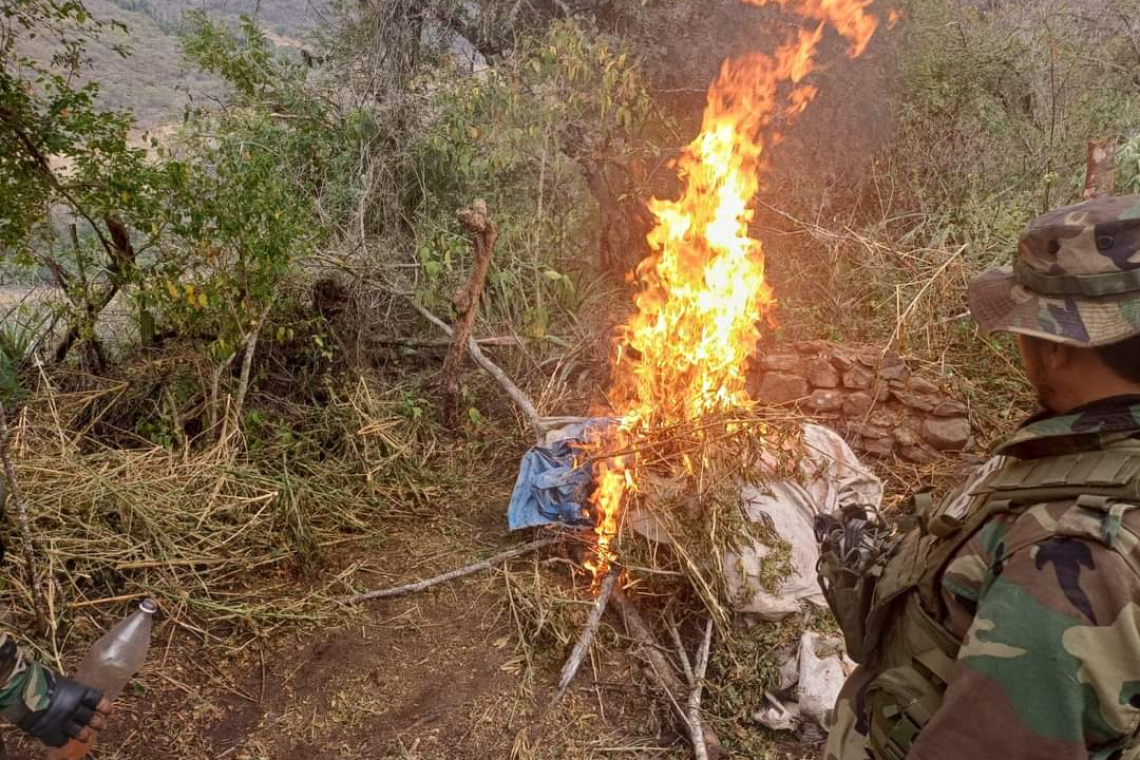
(74, 711)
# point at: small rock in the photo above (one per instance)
(917, 401)
(825, 401)
(907, 437)
(782, 363)
(843, 358)
(857, 377)
(897, 373)
(780, 388)
(884, 418)
(821, 373)
(868, 431)
(919, 385)
(947, 433)
(917, 454)
(812, 347)
(857, 404)
(951, 409)
(893, 367)
(882, 447)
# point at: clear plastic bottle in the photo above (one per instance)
(110, 665)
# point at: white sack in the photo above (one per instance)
(821, 677)
(833, 477)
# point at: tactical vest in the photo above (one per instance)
(901, 638)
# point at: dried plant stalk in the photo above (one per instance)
(22, 519)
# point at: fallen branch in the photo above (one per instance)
(662, 674)
(582, 647)
(13, 495)
(503, 340)
(486, 564)
(477, 222)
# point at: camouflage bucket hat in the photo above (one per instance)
(1076, 278)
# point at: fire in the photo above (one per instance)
(703, 292)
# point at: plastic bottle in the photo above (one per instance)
(110, 665)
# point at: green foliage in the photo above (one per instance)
(64, 163)
(200, 236)
(44, 116)
(519, 136)
(995, 109)
(1128, 166)
(242, 58)
(243, 206)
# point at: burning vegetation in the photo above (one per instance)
(702, 294)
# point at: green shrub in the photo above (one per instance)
(522, 136)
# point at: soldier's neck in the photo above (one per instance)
(1089, 389)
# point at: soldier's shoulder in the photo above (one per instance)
(1106, 529)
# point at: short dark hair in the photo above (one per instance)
(1123, 358)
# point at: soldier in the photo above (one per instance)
(1006, 622)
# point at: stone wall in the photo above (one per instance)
(876, 400)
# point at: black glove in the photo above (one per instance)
(71, 707)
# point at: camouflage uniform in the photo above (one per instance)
(1039, 604)
(24, 684)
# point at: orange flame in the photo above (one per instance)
(702, 293)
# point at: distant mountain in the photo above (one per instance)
(155, 82)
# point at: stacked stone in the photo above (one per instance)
(875, 399)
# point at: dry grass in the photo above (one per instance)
(226, 537)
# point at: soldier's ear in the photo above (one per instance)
(1061, 356)
(1058, 356)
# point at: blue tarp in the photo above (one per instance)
(550, 490)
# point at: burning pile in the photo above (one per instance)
(682, 357)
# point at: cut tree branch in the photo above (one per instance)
(508, 385)
(477, 222)
(1100, 168)
(248, 345)
(486, 564)
(247, 361)
(696, 686)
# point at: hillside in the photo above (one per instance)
(154, 82)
